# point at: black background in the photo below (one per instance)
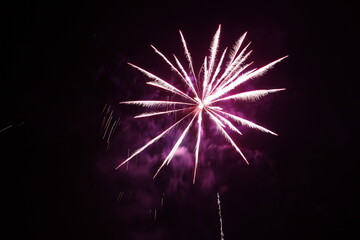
(62, 62)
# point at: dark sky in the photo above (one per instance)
(62, 62)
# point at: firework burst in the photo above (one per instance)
(214, 83)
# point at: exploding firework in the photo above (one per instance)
(214, 83)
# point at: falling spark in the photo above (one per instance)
(120, 196)
(155, 214)
(10, 126)
(109, 124)
(162, 200)
(220, 217)
(5, 128)
(214, 83)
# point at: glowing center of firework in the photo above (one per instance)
(201, 106)
(215, 82)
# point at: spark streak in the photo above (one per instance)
(214, 83)
(220, 217)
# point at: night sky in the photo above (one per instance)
(63, 62)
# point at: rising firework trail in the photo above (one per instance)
(220, 217)
(214, 83)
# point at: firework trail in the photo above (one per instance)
(214, 83)
(220, 217)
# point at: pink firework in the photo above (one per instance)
(215, 82)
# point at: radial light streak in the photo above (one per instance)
(160, 113)
(197, 147)
(214, 83)
(250, 95)
(187, 54)
(156, 103)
